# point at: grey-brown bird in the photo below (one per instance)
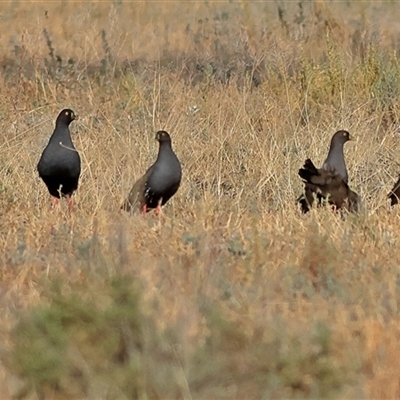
(326, 186)
(329, 183)
(60, 164)
(160, 182)
(394, 194)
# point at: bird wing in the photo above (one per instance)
(136, 197)
(326, 184)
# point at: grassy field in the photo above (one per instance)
(231, 292)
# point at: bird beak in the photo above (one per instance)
(351, 137)
(75, 116)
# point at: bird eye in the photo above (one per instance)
(66, 113)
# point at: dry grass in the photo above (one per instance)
(233, 293)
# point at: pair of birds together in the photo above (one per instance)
(60, 167)
(330, 183)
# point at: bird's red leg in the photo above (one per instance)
(144, 208)
(55, 202)
(69, 202)
(158, 210)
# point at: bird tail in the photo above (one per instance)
(305, 205)
(308, 171)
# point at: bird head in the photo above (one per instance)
(66, 116)
(162, 137)
(342, 137)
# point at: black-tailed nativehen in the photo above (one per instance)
(394, 194)
(160, 182)
(329, 183)
(60, 164)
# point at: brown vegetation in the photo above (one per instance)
(231, 292)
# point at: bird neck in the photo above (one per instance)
(336, 149)
(62, 133)
(165, 145)
(61, 124)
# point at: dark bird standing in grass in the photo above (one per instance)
(60, 164)
(329, 183)
(160, 182)
(394, 194)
